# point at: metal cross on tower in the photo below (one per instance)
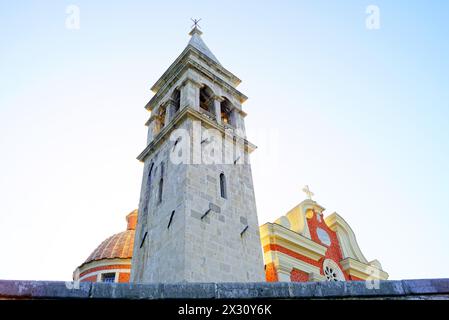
(195, 23)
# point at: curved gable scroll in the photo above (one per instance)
(346, 237)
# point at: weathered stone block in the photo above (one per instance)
(43, 289)
(252, 290)
(214, 207)
(426, 286)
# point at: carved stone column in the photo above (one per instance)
(217, 108)
(237, 120)
(168, 112)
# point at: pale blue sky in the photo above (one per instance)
(359, 115)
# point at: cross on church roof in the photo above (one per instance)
(195, 23)
(307, 191)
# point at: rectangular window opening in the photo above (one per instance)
(108, 277)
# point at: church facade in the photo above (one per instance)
(304, 245)
(197, 218)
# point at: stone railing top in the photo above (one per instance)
(13, 289)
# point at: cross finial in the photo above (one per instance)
(195, 27)
(307, 191)
(195, 23)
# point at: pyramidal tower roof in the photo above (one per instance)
(197, 42)
(194, 54)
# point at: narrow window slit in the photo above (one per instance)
(171, 219)
(161, 187)
(143, 240)
(161, 184)
(205, 214)
(243, 231)
(223, 190)
(176, 142)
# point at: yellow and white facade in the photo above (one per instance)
(303, 245)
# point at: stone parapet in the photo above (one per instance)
(402, 290)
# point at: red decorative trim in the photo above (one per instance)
(355, 278)
(107, 267)
(333, 251)
(299, 276)
(279, 248)
(89, 279)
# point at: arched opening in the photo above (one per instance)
(161, 118)
(176, 97)
(223, 191)
(206, 99)
(225, 110)
(159, 121)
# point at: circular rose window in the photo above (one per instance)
(332, 271)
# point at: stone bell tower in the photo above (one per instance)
(197, 212)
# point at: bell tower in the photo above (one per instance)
(197, 213)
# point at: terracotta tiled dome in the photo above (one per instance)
(119, 245)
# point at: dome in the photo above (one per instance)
(118, 246)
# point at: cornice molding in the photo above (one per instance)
(362, 270)
(286, 264)
(309, 203)
(101, 263)
(191, 113)
(185, 53)
(177, 70)
(316, 277)
(273, 233)
(192, 81)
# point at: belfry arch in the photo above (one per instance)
(226, 108)
(207, 99)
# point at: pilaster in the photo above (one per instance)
(237, 120)
(217, 108)
(167, 105)
(284, 273)
(190, 94)
(151, 123)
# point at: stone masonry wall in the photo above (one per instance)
(224, 245)
(160, 256)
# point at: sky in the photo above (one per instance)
(361, 115)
